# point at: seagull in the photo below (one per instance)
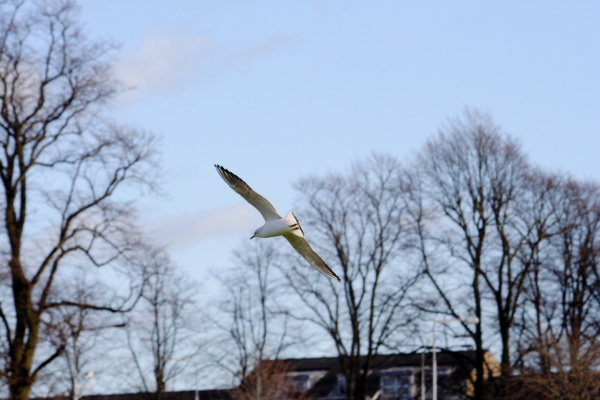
(275, 225)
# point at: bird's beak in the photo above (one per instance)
(252, 237)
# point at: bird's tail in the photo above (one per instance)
(293, 223)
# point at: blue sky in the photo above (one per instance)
(276, 91)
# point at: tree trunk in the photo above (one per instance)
(505, 363)
(479, 351)
(479, 363)
(23, 344)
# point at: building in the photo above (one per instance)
(217, 394)
(391, 377)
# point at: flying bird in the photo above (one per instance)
(275, 225)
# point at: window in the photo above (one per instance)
(299, 383)
(397, 385)
(342, 388)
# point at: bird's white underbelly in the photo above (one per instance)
(274, 227)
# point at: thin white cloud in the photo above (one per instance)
(184, 229)
(162, 62)
(166, 61)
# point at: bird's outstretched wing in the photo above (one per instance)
(302, 247)
(260, 203)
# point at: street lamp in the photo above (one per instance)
(470, 320)
(187, 360)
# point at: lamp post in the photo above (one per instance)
(187, 360)
(434, 374)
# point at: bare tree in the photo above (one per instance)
(268, 380)
(575, 270)
(563, 385)
(61, 165)
(253, 312)
(559, 326)
(80, 331)
(477, 208)
(161, 329)
(360, 228)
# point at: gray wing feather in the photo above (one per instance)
(302, 247)
(260, 203)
